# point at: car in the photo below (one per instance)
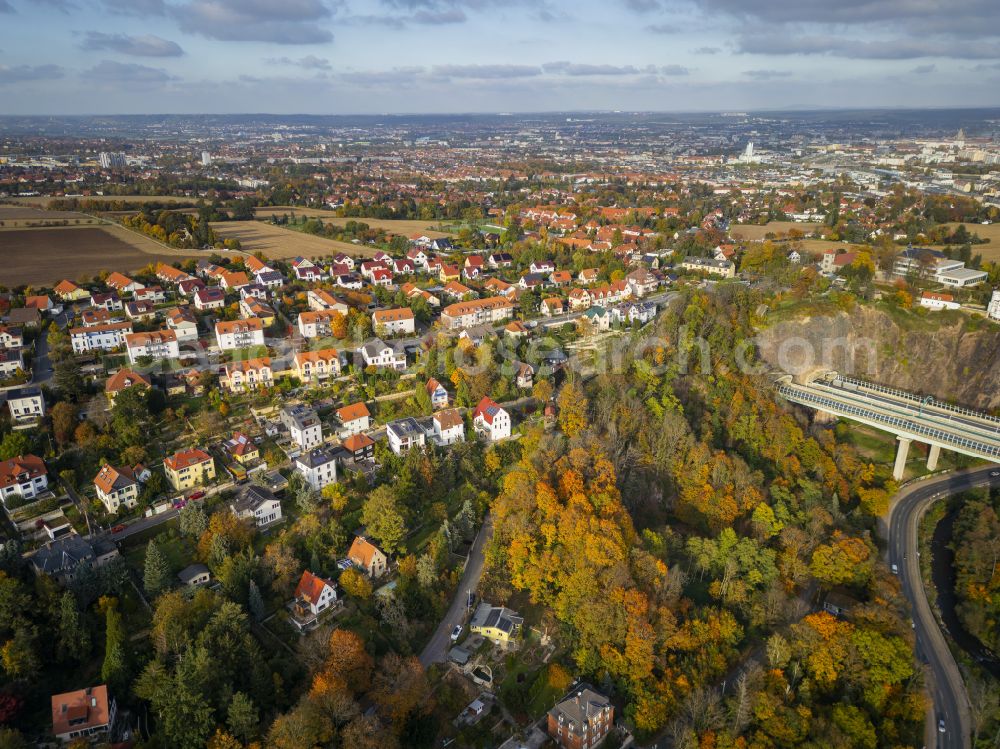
(197, 495)
(994, 473)
(895, 569)
(456, 633)
(118, 528)
(940, 725)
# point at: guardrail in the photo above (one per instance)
(915, 398)
(829, 404)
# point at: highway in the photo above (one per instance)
(946, 688)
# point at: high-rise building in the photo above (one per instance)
(112, 160)
(206, 158)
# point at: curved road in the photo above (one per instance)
(951, 703)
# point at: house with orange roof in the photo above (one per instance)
(449, 272)
(367, 557)
(122, 379)
(579, 299)
(248, 374)
(437, 393)
(456, 290)
(153, 344)
(232, 281)
(118, 487)
(186, 469)
(311, 366)
(360, 446)
(243, 449)
(354, 418)
(552, 305)
(237, 334)
(122, 283)
(70, 292)
(395, 321)
(313, 595)
(490, 420)
(85, 714)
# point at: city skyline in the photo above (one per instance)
(441, 56)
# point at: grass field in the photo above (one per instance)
(405, 227)
(45, 256)
(753, 232)
(990, 251)
(279, 243)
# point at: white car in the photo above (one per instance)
(940, 725)
(895, 570)
(456, 633)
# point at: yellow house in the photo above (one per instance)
(243, 449)
(498, 624)
(189, 468)
(70, 292)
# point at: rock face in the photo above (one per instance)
(926, 355)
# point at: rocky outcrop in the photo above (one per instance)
(946, 357)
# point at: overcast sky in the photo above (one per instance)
(374, 56)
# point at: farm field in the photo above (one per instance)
(989, 251)
(23, 216)
(752, 232)
(45, 256)
(279, 243)
(406, 227)
(41, 201)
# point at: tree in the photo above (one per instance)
(157, 575)
(383, 519)
(11, 738)
(242, 717)
(572, 409)
(349, 660)
(255, 604)
(193, 521)
(336, 496)
(115, 670)
(130, 416)
(64, 422)
(67, 378)
(356, 584)
(19, 656)
(14, 444)
(74, 638)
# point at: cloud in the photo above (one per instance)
(406, 76)
(285, 22)
(309, 62)
(674, 70)
(127, 74)
(63, 6)
(140, 8)
(924, 69)
(662, 28)
(139, 46)
(581, 69)
(22, 73)
(6, 7)
(439, 17)
(706, 51)
(894, 49)
(766, 75)
(486, 71)
(986, 67)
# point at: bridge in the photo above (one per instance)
(912, 418)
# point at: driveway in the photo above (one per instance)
(440, 643)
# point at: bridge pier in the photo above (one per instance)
(932, 457)
(901, 453)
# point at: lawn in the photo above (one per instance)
(989, 251)
(752, 232)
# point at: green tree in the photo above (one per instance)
(157, 575)
(74, 638)
(13, 445)
(193, 521)
(115, 670)
(242, 717)
(383, 518)
(255, 604)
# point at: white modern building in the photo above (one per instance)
(155, 344)
(318, 467)
(303, 424)
(106, 337)
(404, 434)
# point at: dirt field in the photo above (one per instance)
(753, 232)
(46, 256)
(991, 250)
(278, 243)
(405, 227)
(23, 216)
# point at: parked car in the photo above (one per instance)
(118, 528)
(456, 633)
(940, 725)
(895, 569)
(197, 495)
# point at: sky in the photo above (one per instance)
(431, 56)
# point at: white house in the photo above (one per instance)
(490, 420)
(237, 334)
(316, 365)
(303, 424)
(394, 321)
(377, 353)
(117, 487)
(318, 467)
(313, 595)
(211, 297)
(106, 337)
(248, 374)
(184, 324)
(24, 476)
(354, 419)
(155, 344)
(26, 404)
(449, 427)
(937, 301)
(258, 504)
(404, 434)
(993, 310)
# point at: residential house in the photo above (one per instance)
(354, 418)
(532, 281)
(186, 469)
(239, 334)
(61, 558)
(140, 310)
(233, 281)
(437, 393)
(304, 426)
(394, 321)
(170, 275)
(154, 344)
(70, 292)
(151, 294)
(83, 715)
(937, 301)
(633, 312)
(516, 330)
(403, 267)
(11, 363)
(307, 270)
(581, 721)
(404, 434)
(26, 405)
(543, 267)
(449, 427)
(242, 449)
(318, 324)
(99, 316)
(367, 557)
(248, 374)
(477, 334)
(257, 504)
(500, 260)
(349, 281)
(99, 337)
(560, 278)
(194, 575)
(318, 467)
(182, 321)
(110, 301)
(642, 282)
(579, 299)
(587, 276)
(321, 299)
(211, 297)
(122, 283)
(491, 421)
(118, 487)
(449, 272)
(11, 337)
(270, 279)
(724, 268)
(121, 380)
(313, 595)
(24, 476)
(497, 624)
(377, 353)
(360, 447)
(476, 312)
(190, 286)
(43, 303)
(499, 287)
(311, 366)
(455, 290)
(552, 306)
(523, 374)
(251, 307)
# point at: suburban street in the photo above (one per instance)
(947, 690)
(439, 644)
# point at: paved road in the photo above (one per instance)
(439, 644)
(947, 689)
(41, 366)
